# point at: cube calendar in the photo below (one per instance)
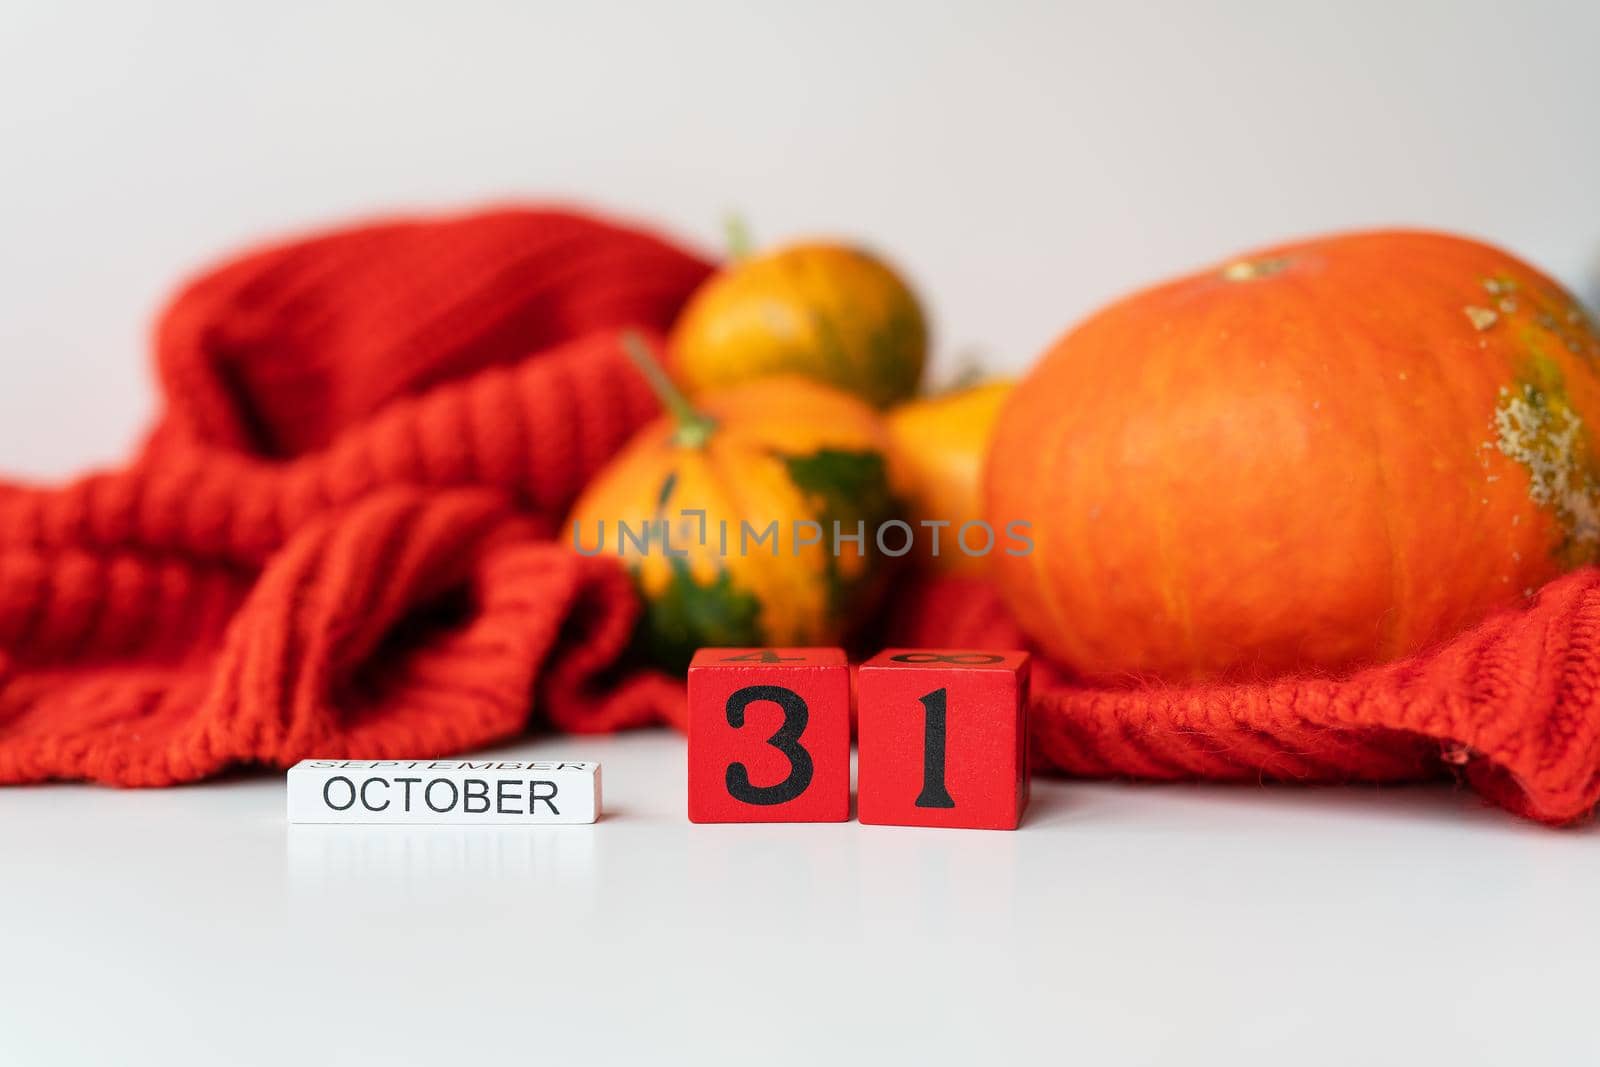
(943, 738)
(769, 735)
(444, 792)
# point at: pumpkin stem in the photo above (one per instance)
(694, 428)
(737, 233)
(970, 371)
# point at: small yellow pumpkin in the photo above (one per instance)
(724, 511)
(937, 448)
(826, 311)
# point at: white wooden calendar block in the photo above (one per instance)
(445, 792)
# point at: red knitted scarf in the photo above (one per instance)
(341, 540)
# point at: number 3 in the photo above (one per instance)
(785, 740)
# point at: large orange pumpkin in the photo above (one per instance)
(1316, 456)
(748, 463)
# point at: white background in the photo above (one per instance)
(1183, 925)
(1023, 163)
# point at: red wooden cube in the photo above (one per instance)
(769, 735)
(943, 738)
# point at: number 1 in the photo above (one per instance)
(934, 794)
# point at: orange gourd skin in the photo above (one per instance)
(781, 450)
(828, 312)
(1319, 456)
(937, 449)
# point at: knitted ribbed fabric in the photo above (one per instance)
(339, 539)
(342, 539)
(1511, 706)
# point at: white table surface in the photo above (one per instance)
(1122, 924)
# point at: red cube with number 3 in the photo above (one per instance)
(769, 735)
(943, 738)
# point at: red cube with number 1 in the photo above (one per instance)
(769, 735)
(943, 738)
